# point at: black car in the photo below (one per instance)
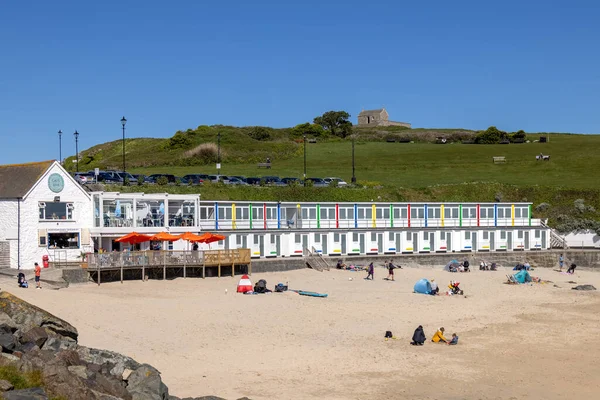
(253, 181)
(194, 179)
(108, 177)
(288, 181)
(171, 179)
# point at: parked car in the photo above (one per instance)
(272, 180)
(126, 175)
(241, 178)
(287, 181)
(83, 177)
(194, 179)
(171, 179)
(232, 180)
(218, 178)
(339, 181)
(108, 177)
(253, 181)
(317, 182)
(141, 178)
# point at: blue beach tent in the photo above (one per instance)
(423, 286)
(523, 276)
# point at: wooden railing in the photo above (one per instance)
(150, 258)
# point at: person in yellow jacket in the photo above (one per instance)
(439, 336)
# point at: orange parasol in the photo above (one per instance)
(210, 238)
(133, 238)
(189, 236)
(165, 237)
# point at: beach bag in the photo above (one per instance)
(388, 334)
(261, 286)
(280, 287)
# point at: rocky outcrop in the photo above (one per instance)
(584, 287)
(35, 340)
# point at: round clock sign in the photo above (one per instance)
(56, 183)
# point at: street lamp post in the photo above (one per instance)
(353, 175)
(219, 153)
(60, 146)
(304, 160)
(76, 134)
(123, 122)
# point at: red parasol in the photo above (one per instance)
(210, 238)
(165, 237)
(133, 238)
(189, 236)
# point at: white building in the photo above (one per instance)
(43, 212)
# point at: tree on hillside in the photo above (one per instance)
(308, 129)
(491, 135)
(336, 122)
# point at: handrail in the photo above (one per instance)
(554, 236)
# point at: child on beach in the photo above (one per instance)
(38, 272)
(454, 339)
(571, 269)
(561, 261)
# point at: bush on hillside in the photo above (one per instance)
(206, 153)
(308, 129)
(542, 207)
(180, 140)
(566, 224)
(491, 135)
(260, 133)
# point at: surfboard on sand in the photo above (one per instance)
(313, 294)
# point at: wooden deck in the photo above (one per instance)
(194, 263)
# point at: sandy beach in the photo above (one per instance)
(528, 341)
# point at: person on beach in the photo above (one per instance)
(418, 337)
(370, 271)
(454, 339)
(434, 288)
(38, 273)
(340, 264)
(561, 261)
(571, 269)
(391, 268)
(439, 336)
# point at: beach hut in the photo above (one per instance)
(423, 286)
(245, 285)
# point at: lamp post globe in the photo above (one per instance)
(60, 146)
(123, 122)
(76, 134)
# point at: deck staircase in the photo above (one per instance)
(556, 240)
(315, 260)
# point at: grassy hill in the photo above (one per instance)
(418, 171)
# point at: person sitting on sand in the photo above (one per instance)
(370, 271)
(439, 337)
(454, 339)
(527, 266)
(418, 337)
(340, 264)
(571, 269)
(434, 288)
(465, 265)
(494, 267)
(483, 266)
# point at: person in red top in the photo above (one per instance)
(38, 272)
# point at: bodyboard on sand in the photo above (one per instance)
(313, 294)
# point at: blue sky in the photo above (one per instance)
(76, 65)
